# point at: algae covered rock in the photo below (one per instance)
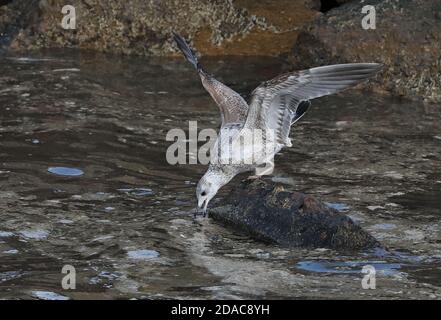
(269, 211)
(144, 27)
(406, 39)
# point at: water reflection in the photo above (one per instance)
(65, 171)
(356, 267)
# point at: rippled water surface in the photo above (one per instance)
(84, 181)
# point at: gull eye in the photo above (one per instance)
(203, 193)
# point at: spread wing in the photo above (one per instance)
(233, 107)
(278, 103)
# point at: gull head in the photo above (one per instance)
(205, 191)
(208, 187)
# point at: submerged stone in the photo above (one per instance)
(268, 211)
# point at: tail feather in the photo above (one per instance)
(186, 50)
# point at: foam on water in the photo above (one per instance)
(143, 254)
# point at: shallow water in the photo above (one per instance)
(84, 182)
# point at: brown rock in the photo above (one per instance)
(144, 27)
(407, 39)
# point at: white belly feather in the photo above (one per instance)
(244, 147)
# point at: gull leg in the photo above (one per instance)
(264, 171)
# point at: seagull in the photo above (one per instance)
(274, 106)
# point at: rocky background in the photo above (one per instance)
(407, 38)
(216, 27)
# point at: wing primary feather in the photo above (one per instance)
(186, 50)
(232, 106)
(292, 91)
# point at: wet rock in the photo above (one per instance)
(144, 27)
(406, 40)
(269, 211)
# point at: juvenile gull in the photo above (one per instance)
(275, 105)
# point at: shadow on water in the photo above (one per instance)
(426, 201)
(84, 181)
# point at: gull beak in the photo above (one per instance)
(205, 207)
(202, 206)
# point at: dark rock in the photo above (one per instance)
(406, 40)
(14, 16)
(268, 211)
